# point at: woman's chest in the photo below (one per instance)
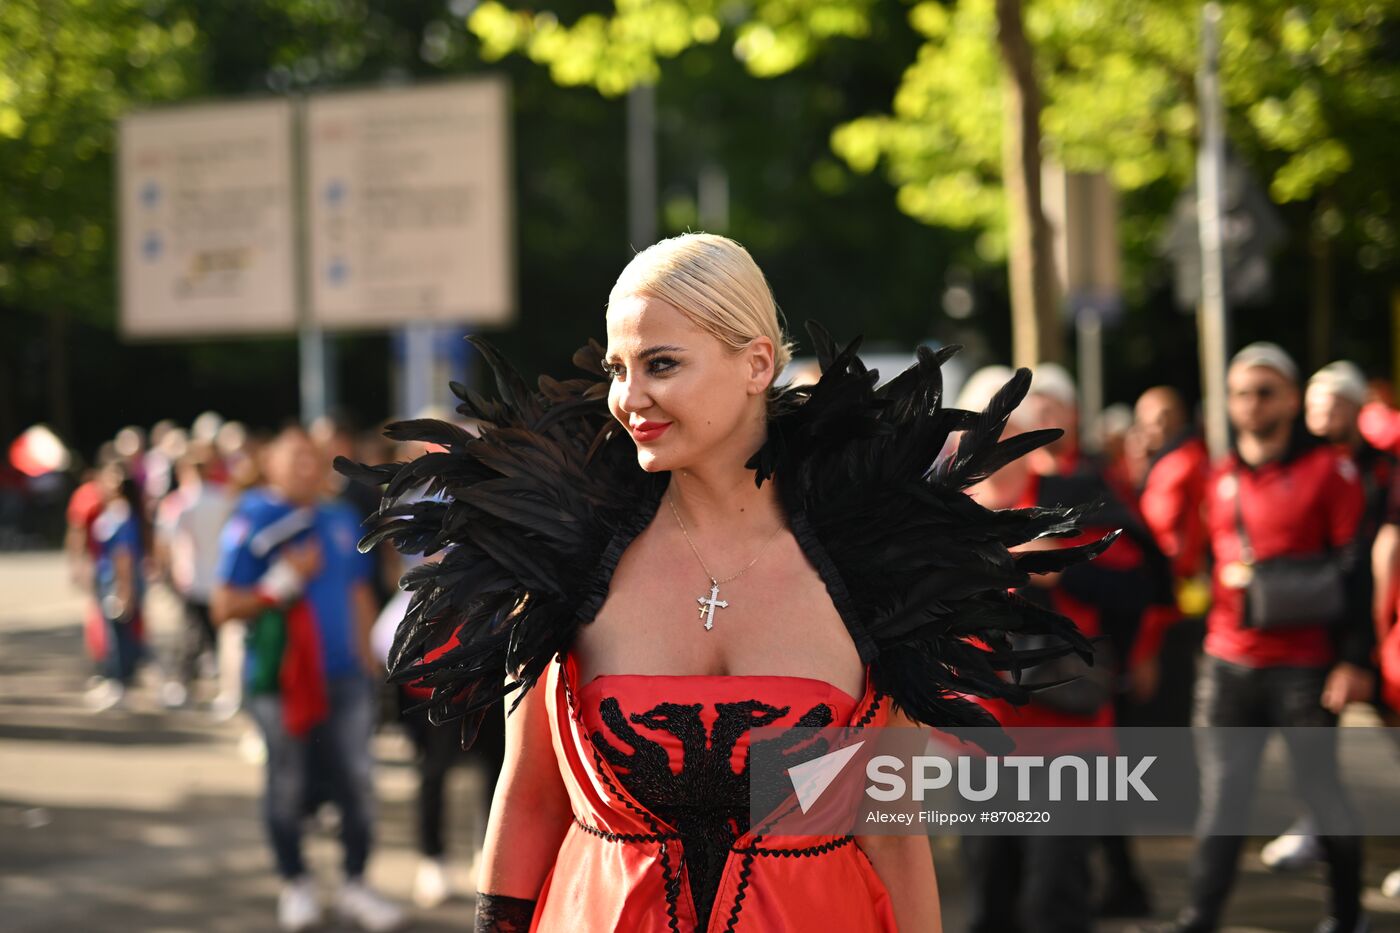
(664, 616)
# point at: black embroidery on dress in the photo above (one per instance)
(624, 837)
(707, 801)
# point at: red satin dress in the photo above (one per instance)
(657, 773)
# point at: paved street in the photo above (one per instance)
(146, 820)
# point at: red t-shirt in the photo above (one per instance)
(1172, 495)
(1304, 504)
(83, 508)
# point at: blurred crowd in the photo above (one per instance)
(283, 619)
(287, 622)
(1257, 589)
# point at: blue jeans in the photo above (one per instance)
(334, 755)
(123, 651)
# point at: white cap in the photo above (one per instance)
(1342, 378)
(1115, 419)
(979, 388)
(1054, 381)
(1270, 355)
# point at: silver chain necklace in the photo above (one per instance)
(708, 604)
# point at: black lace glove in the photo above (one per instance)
(497, 913)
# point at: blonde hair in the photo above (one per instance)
(715, 283)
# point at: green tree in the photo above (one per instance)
(811, 219)
(68, 69)
(1313, 92)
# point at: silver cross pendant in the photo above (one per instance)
(708, 605)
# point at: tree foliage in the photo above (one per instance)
(809, 218)
(616, 51)
(68, 69)
(1313, 92)
(855, 91)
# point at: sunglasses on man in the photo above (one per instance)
(1263, 393)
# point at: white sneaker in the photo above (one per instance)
(297, 906)
(107, 695)
(430, 885)
(1390, 887)
(1290, 853)
(251, 747)
(173, 694)
(368, 910)
(223, 707)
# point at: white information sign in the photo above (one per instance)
(206, 221)
(409, 206)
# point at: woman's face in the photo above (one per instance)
(110, 480)
(680, 393)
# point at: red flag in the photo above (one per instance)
(301, 680)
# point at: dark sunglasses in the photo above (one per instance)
(1263, 393)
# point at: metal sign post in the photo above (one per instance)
(1213, 324)
(1088, 331)
(1082, 210)
(314, 376)
(641, 167)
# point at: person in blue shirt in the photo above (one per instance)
(289, 565)
(119, 548)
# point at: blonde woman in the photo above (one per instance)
(657, 564)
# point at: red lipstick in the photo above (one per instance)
(648, 431)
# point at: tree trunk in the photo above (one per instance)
(1036, 332)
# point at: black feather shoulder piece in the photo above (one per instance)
(923, 575)
(529, 518)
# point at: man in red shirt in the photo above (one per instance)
(1331, 406)
(1174, 488)
(1280, 493)
(1171, 500)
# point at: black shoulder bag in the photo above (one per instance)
(1289, 592)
